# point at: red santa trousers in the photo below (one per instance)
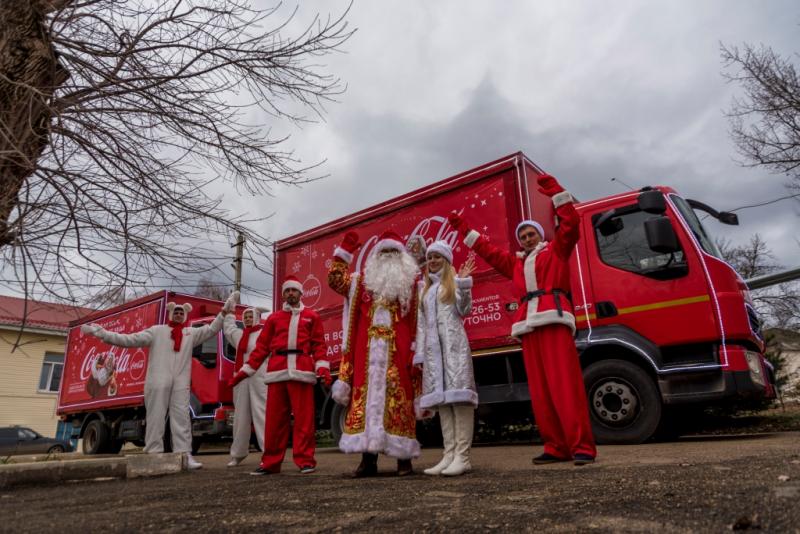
(283, 400)
(558, 396)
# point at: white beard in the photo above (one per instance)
(391, 278)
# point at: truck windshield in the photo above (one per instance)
(699, 231)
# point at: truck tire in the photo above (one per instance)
(624, 402)
(96, 437)
(115, 445)
(338, 413)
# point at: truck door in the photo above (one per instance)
(662, 297)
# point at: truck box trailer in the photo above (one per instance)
(102, 387)
(663, 320)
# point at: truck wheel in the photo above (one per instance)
(96, 437)
(624, 402)
(338, 413)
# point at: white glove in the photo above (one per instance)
(90, 329)
(231, 303)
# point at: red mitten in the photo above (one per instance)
(350, 242)
(549, 185)
(238, 377)
(324, 374)
(458, 222)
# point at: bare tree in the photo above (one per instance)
(116, 115)
(779, 305)
(765, 121)
(212, 289)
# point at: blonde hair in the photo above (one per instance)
(448, 284)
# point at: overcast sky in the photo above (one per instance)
(588, 90)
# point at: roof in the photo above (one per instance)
(44, 315)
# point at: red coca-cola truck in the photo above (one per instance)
(102, 387)
(664, 322)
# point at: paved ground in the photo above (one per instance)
(696, 484)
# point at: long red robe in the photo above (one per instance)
(375, 374)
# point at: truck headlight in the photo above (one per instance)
(754, 363)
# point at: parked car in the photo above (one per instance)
(22, 440)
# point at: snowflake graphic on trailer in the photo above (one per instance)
(296, 267)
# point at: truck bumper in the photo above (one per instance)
(745, 374)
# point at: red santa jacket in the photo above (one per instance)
(537, 274)
(294, 340)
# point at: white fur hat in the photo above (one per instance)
(291, 282)
(443, 249)
(529, 222)
(171, 306)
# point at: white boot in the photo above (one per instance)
(446, 420)
(191, 463)
(235, 461)
(465, 422)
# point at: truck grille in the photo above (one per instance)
(755, 322)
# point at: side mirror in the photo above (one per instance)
(652, 201)
(661, 236)
(726, 217)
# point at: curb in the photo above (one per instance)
(132, 466)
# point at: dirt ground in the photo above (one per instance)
(698, 484)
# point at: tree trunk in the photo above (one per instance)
(29, 75)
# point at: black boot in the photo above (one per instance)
(368, 466)
(404, 468)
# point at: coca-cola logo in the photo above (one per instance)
(312, 291)
(137, 365)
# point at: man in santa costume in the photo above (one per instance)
(545, 325)
(169, 374)
(293, 340)
(375, 374)
(249, 396)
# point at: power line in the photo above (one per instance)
(766, 203)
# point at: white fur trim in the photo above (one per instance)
(340, 392)
(291, 284)
(292, 341)
(418, 359)
(464, 283)
(431, 400)
(564, 197)
(319, 364)
(471, 237)
(343, 255)
(529, 222)
(398, 447)
(389, 244)
(460, 396)
(443, 249)
(186, 307)
(286, 375)
(249, 371)
(541, 319)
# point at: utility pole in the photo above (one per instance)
(237, 262)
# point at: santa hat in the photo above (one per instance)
(171, 307)
(389, 240)
(443, 249)
(291, 282)
(529, 222)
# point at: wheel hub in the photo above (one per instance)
(614, 403)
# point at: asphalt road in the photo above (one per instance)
(702, 484)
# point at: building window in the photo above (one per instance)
(50, 378)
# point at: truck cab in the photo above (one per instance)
(662, 319)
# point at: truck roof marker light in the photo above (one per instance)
(701, 255)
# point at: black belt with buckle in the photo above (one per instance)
(285, 352)
(530, 295)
